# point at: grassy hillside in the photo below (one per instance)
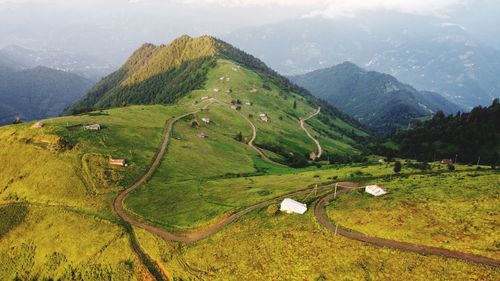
(451, 210)
(193, 164)
(57, 191)
(62, 169)
(267, 244)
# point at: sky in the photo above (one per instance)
(116, 27)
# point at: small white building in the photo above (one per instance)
(375, 190)
(38, 124)
(216, 89)
(206, 120)
(291, 206)
(381, 161)
(204, 98)
(93, 127)
(264, 117)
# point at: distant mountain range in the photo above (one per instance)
(426, 52)
(37, 93)
(18, 58)
(375, 99)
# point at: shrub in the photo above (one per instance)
(272, 210)
(397, 167)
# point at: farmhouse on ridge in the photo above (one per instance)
(375, 190)
(291, 206)
(206, 120)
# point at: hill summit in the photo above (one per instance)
(164, 73)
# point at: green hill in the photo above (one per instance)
(375, 99)
(162, 74)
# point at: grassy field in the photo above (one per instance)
(46, 242)
(456, 210)
(268, 246)
(197, 203)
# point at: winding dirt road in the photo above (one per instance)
(319, 212)
(187, 237)
(302, 122)
(257, 149)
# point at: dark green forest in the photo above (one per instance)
(467, 137)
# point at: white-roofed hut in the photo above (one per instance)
(291, 206)
(375, 190)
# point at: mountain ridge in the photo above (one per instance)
(164, 73)
(375, 99)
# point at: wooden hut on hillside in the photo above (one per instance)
(118, 162)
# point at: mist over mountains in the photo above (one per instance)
(427, 52)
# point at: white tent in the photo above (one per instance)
(291, 206)
(375, 190)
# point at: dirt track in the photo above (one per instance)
(258, 150)
(190, 236)
(302, 125)
(319, 212)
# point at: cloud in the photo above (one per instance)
(333, 8)
(420, 7)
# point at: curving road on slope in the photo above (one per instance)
(194, 236)
(320, 214)
(302, 122)
(257, 149)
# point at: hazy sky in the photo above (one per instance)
(105, 27)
